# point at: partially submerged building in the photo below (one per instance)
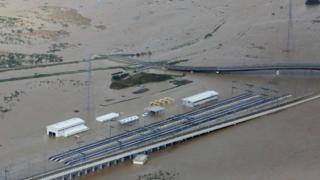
(108, 117)
(67, 128)
(200, 98)
(154, 110)
(129, 120)
(312, 2)
(119, 75)
(140, 159)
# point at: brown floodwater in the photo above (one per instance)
(284, 145)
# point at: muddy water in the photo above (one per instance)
(280, 146)
(52, 102)
(25, 145)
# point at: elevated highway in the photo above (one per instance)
(244, 68)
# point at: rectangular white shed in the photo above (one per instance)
(129, 119)
(108, 117)
(140, 159)
(66, 128)
(200, 98)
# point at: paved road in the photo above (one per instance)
(230, 69)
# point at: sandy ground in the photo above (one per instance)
(207, 32)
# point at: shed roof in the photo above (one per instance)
(128, 119)
(154, 109)
(107, 117)
(74, 130)
(200, 96)
(66, 124)
(141, 157)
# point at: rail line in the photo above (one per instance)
(160, 129)
(63, 155)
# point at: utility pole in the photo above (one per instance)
(290, 28)
(6, 172)
(90, 102)
(110, 129)
(89, 105)
(233, 86)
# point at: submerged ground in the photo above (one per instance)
(56, 37)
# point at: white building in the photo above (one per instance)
(154, 110)
(107, 117)
(200, 98)
(66, 128)
(128, 119)
(140, 159)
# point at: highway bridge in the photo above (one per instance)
(244, 68)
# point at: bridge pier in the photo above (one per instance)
(115, 162)
(89, 170)
(70, 176)
(154, 149)
(85, 172)
(128, 157)
(73, 175)
(93, 169)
